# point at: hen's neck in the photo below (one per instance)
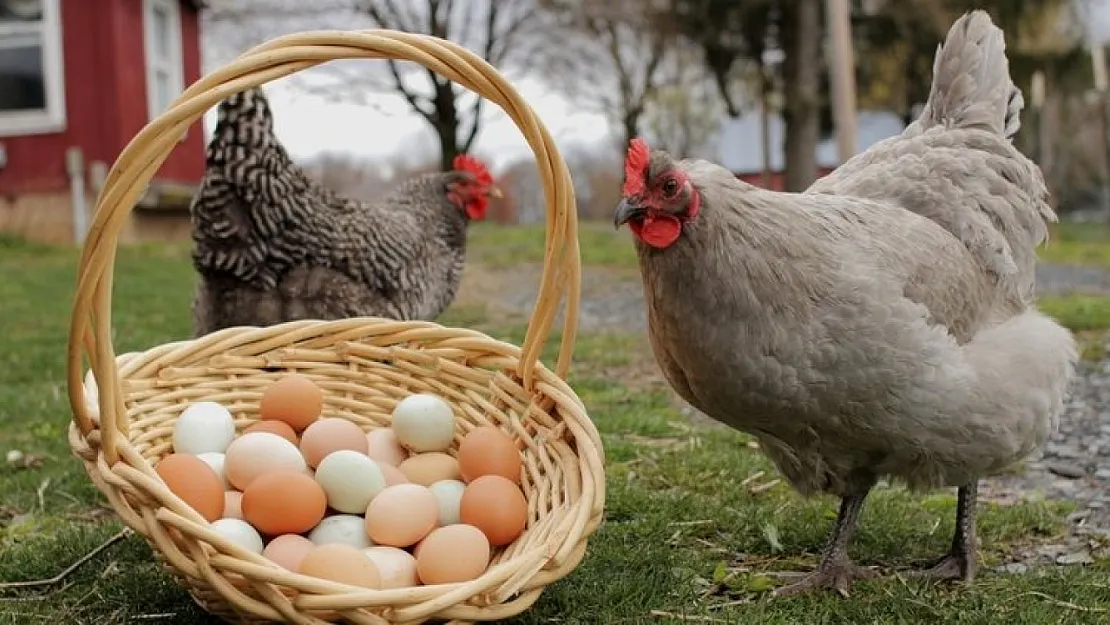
(751, 255)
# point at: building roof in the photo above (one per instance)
(740, 149)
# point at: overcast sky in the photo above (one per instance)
(308, 125)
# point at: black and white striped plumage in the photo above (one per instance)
(272, 245)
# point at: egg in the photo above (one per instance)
(233, 504)
(341, 563)
(392, 474)
(350, 480)
(203, 426)
(272, 426)
(194, 482)
(92, 395)
(451, 554)
(426, 469)
(383, 446)
(240, 533)
(288, 550)
(216, 462)
(496, 506)
(329, 435)
(284, 502)
(487, 450)
(346, 529)
(396, 567)
(293, 399)
(424, 422)
(401, 515)
(448, 494)
(256, 453)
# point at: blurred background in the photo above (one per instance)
(751, 84)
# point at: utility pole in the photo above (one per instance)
(843, 79)
(1098, 65)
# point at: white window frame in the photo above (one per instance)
(52, 119)
(174, 67)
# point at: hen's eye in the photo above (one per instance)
(670, 187)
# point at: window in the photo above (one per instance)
(32, 84)
(164, 72)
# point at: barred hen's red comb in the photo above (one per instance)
(635, 167)
(471, 165)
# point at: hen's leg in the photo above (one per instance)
(836, 570)
(960, 561)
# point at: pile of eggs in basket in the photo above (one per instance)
(317, 495)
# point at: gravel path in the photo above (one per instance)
(1074, 466)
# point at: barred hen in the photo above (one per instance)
(272, 245)
(881, 324)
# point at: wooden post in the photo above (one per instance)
(843, 79)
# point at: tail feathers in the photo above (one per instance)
(245, 120)
(972, 87)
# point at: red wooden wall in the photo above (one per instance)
(105, 93)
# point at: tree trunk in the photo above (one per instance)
(801, 72)
(447, 125)
(765, 86)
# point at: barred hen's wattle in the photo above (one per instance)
(879, 325)
(273, 245)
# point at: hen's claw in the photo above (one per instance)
(832, 576)
(954, 566)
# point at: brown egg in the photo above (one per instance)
(328, 435)
(401, 515)
(453, 553)
(288, 550)
(489, 451)
(496, 506)
(392, 474)
(341, 563)
(284, 502)
(273, 426)
(384, 446)
(427, 469)
(191, 479)
(293, 399)
(233, 504)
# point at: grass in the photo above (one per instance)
(1078, 244)
(691, 523)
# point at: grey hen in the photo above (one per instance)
(272, 245)
(881, 324)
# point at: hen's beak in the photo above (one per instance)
(495, 192)
(627, 210)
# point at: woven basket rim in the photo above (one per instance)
(101, 439)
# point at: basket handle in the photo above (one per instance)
(90, 331)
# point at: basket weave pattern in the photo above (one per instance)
(364, 365)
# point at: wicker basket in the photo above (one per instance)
(364, 365)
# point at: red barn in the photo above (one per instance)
(78, 80)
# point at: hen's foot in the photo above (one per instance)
(836, 576)
(954, 566)
(959, 564)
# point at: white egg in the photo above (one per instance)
(239, 532)
(92, 396)
(204, 426)
(448, 495)
(216, 461)
(396, 567)
(350, 480)
(345, 529)
(424, 422)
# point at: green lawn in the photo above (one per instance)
(691, 522)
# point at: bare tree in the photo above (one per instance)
(611, 57)
(504, 32)
(684, 112)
